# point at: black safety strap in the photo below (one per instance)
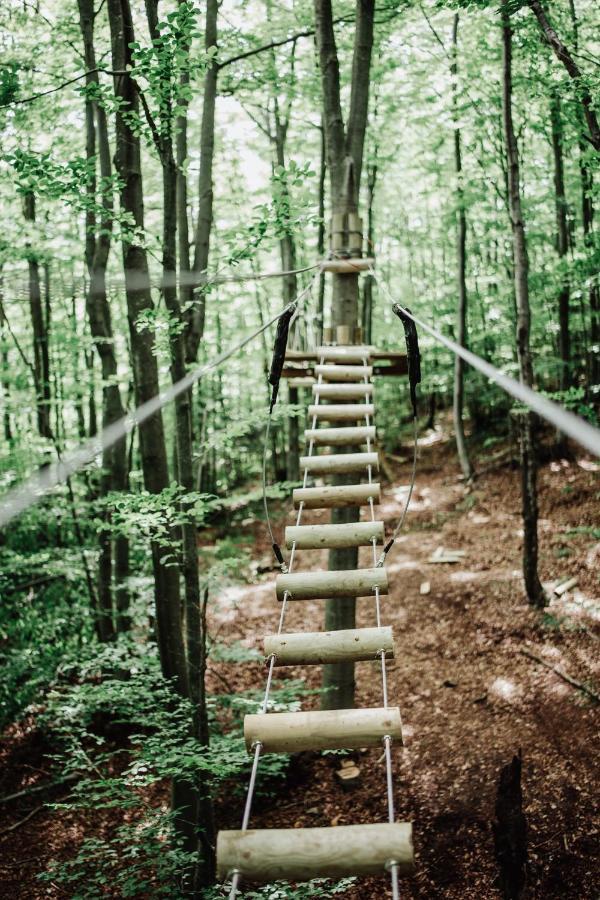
(412, 352)
(279, 348)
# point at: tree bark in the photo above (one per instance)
(562, 241)
(563, 54)
(139, 301)
(344, 153)
(113, 610)
(196, 315)
(461, 261)
(533, 585)
(41, 356)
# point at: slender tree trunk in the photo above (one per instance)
(564, 55)
(461, 260)
(562, 241)
(139, 301)
(191, 803)
(368, 282)
(41, 358)
(533, 586)
(4, 368)
(114, 611)
(321, 232)
(344, 151)
(204, 223)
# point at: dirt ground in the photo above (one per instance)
(469, 697)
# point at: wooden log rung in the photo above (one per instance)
(312, 648)
(343, 436)
(337, 495)
(334, 412)
(323, 729)
(301, 854)
(334, 463)
(326, 537)
(325, 585)
(347, 266)
(343, 373)
(351, 353)
(343, 391)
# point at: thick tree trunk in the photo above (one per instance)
(562, 242)
(139, 301)
(533, 586)
(461, 261)
(344, 153)
(41, 357)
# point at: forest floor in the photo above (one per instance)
(470, 698)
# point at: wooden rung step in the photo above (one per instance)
(334, 412)
(312, 648)
(301, 382)
(343, 391)
(323, 729)
(324, 585)
(334, 463)
(337, 495)
(325, 537)
(343, 373)
(347, 354)
(334, 437)
(301, 854)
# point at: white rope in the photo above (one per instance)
(236, 874)
(568, 423)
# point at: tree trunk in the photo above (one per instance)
(562, 241)
(114, 611)
(139, 301)
(4, 369)
(41, 358)
(461, 260)
(344, 153)
(563, 54)
(196, 315)
(533, 586)
(191, 804)
(369, 280)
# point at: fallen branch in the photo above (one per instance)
(37, 788)
(18, 824)
(572, 681)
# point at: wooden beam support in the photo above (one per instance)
(325, 537)
(301, 854)
(330, 729)
(344, 391)
(313, 648)
(341, 412)
(323, 585)
(337, 495)
(344, 436)
(335, 463)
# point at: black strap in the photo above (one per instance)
(412, 351)
(279, 348)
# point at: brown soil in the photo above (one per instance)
(469, 698)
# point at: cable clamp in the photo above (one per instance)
(387, 737)
(390, 864)
(381, 560)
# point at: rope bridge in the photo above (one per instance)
(343, 376)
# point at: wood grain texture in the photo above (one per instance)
(337, 495)
(323, 585)
(317, 537)
(334, 412)
(299, 854)
(323, 729)
(343, 373)
(314, 648)
(343, 391)
(343, 436)
(335, 463)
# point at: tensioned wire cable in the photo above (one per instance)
(567, 422)
(19, 498)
